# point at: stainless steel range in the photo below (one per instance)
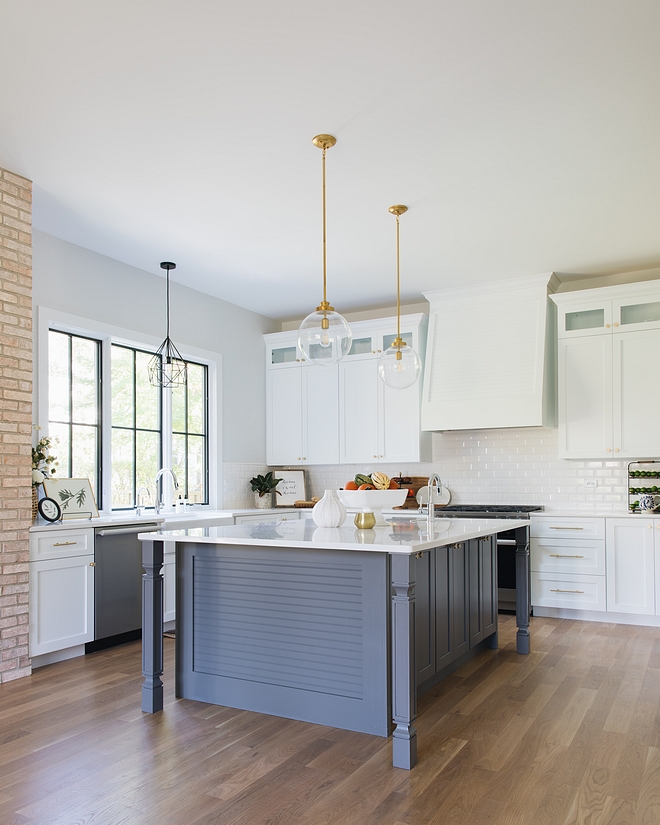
(506, 543)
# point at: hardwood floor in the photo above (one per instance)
(569, 735)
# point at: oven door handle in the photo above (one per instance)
(507, 542)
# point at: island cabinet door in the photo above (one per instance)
(460, 614)
(474, 590)
(444, 648)
(424, 616)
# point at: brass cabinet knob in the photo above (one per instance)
(616, 325)
(608, 450)
(607, 325)
(616, 450)
(92, 564)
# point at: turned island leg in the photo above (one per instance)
(404, 689)
(152, 626)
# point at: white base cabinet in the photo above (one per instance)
(631, 566)
(61, 603)
(568, 563)
(61, 589)
(598, 569)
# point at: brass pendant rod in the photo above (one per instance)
(398, 284)
(325, 260)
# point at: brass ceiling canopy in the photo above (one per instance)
(324, 141)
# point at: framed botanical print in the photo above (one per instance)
(74, 495)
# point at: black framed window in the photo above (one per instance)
(137, 447)
(190, 434)
(74, 406)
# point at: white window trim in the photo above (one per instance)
(109, 334)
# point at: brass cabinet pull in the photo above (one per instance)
(64, 543)
(562, 556)
(552, 527)
(567, 591)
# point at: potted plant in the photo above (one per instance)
(263, 488)
(43, 465)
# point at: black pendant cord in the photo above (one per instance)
(168, 305)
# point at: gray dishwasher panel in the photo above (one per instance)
(117, 581)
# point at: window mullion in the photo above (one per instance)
(106, 423)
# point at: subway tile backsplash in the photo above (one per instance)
(513, 466)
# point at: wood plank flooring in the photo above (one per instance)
(569, 735)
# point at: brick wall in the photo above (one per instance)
(15, 420)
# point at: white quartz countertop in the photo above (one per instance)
(203, 516)
(592, 514)
(400, 535)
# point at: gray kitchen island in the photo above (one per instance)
(336, 626)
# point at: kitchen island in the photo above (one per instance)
(337, 626)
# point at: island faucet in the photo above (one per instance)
(434, 485)
(159, 502)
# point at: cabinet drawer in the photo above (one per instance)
(554, 555)
(61, 544)
(580, 592)
(573, 528)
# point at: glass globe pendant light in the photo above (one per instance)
(399, 366)
(324, 337)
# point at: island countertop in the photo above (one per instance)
(399, 536)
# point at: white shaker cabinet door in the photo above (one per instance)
(284, 416)
(358, 405)
(400, 423)
(585, 397)
(636, 394)
(630, 566)
(61, 603)
(321, 414)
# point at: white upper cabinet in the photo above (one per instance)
(343, 413)
(302, 416)
(609, 340)
(491, 356)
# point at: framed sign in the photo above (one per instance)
(291, 487)
(74, 495)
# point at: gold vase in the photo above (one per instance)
(365, 521)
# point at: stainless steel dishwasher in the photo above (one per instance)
(117, 584)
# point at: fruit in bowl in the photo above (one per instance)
(372, 500)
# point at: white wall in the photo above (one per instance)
(75, 280)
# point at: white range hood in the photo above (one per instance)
(490, 358)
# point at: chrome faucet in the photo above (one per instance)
(434, 488)
(159, 503)
(139, 508)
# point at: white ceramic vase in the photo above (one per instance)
(263, 502)
(329, 511)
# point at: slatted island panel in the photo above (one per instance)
(296, 633)
(338, 627)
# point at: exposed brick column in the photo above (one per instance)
(15, 420)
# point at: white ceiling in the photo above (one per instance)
(524, 135)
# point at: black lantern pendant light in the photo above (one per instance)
(167, 368)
